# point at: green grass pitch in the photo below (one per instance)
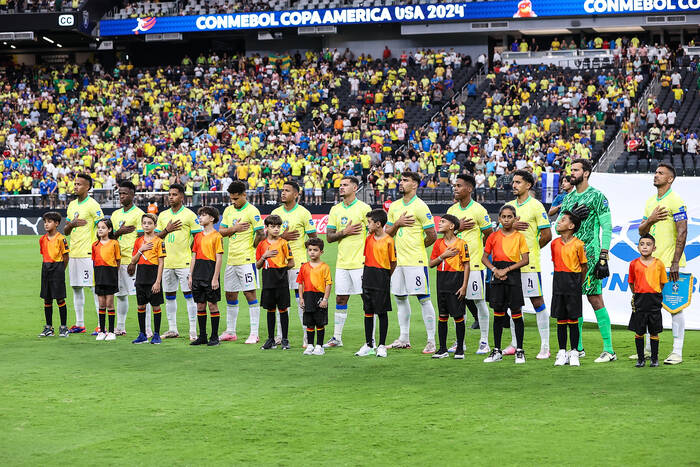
(76, 401)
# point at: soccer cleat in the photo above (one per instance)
(520, 356)
(141, 339)
(573, 358)
(454, 347)
(544, 354)
(213, 341)
(269, 344)
(483, 349)
(285, 344)
(333, 342)
(77, 330)
(193, 336)
(47, 332)
(510, 350)
(120, 332)
(640, 363)
(459, 356)
(318, 350)
(309, 350)
(562, 358)
(101, 336)
(441, 353)
(63, 331)
(156, 339)
(111, 336)
(171, 335)
(252, 339)
(673, 359)
(430, 348)
(606, 357)
(399, 344)
(228, 337)
(381, 351)
(647, 354)
(201, 340)
(494, 356)
(278, 340)
(364, 351)
(96, 331)
(654, 362)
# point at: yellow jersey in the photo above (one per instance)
(178, 242)
(298, 218)
(409, 241)
(81, 238)
(350, 249)
(532, 212)
(240, 244)
(131, 217)
(665, 232)
(474, 237)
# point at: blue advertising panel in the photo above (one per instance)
(393, 14)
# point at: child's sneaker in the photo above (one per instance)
(63, 331)
(269, 344)
(562, 358)
(201, 340)
(155, 339)
(213, 341)
(441, 353)
(654, 362)
(309, 350)
(459, 355)
(111, 336)
(381, 351)
(494, 356)
(47, 332)
(573, 358)
(141, 339)
(520, 356)
(285, 344)
(483, 349)
(101, 336)
(318, 350)
(640, 363)
(510, 350)
(364, 351)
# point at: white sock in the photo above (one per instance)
(231, 316)
(341, 314)
(403, 311)
(171, 311)
(149, 314)
(513, 340)
(122, 309)
(254, 312)
(79, 305)
(543, 327)
(192, 314)
(278, 326)
(300, 310)
(483, 315)
(374, 330)
(426, 307)
(97, 303)
(678, 329)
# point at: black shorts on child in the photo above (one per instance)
(277, 298)
(144, 296)
(53, 281)
(203, 293)
(376, 302)
(508, 293)
(450, 304)
(314, 315)
(646, 316)
(567, 307)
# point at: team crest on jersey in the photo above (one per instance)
(486, 218)
(196, 220)
(257, 218)
(285, 224)
(311, 222)
(235, 221)
(343, 220)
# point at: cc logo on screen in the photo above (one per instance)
(66, 20)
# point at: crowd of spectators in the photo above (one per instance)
(37, 6)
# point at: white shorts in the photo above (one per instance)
(80, 272)
(317, 192)
(410, 280)
(531, 283)
(241, 278)
(475, 286)
(292, 276)
(348, 281)
(127, 283)
(173, 277)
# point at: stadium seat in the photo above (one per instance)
(643, 166)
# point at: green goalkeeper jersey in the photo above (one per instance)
(596, 230)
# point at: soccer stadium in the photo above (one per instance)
(304, 205)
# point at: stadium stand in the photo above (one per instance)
(37, 6)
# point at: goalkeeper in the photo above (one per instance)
(595, 232)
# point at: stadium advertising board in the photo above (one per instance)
(627, 195)
(393, 14)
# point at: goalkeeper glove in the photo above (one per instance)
(601, 271)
